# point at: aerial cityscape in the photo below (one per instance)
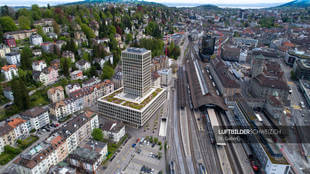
(154, 87)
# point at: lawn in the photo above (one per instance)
(9, 154)
(23, 144)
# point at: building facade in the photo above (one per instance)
(136, 71)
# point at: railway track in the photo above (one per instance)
(208, 150)
(230, 151)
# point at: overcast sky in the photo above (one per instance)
(53, 2)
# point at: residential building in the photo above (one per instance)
(66, 107)
(60, 169)
(76, 75)
(44, 22)
(36, 39)
(9, 71)
(82, 65)
(20, 127)
(89, 157)
(47, 76)
(136, 71)
(56, 94)
(4, 49)
(10, 41)
(7, 135)
(58, 145)
(38, 65)
(48, 47)
(78, 129)
(92, 81)
(165, 76)
(72, 87)
(69, 54)
(37, 116)
(13, 58)
(37, 52)
(113, 130)
(37, 159)
(223, 78)
(20, 35)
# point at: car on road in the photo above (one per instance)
(290, 91)
(153, 145)
(133, 145)
(302, 104)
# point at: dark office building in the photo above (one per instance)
(302, 69)
(207, 47)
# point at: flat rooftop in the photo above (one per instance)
(120, 98)
(135, 50)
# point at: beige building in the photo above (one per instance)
(7, 135)
(56, 94)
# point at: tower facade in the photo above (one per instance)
(136, 65)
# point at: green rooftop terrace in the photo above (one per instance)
(111, 98)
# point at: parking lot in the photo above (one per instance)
(146, 154)
(132, 158)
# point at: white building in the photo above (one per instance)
(165, 76)
(38, 65)
(66, 107)
(37, 116)
(82, 65)
(9, 71)
(113, 130)
(4, 49)
(71, 88)
(13, 58)
(76, 75)
(36, 39)
(20, 127)
(136, 111)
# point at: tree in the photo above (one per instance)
(26, 58)
(97, 134)
(88, 31)
(36, 12)
(20, 93)
(56, 27)
(65, 66)
(7, 24)
(153, 29)
(24, 23)
(107, 72)
(128, 38)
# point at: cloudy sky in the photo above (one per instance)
(53, 2)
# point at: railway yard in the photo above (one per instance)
(196, 148)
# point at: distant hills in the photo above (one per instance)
(297, 3)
